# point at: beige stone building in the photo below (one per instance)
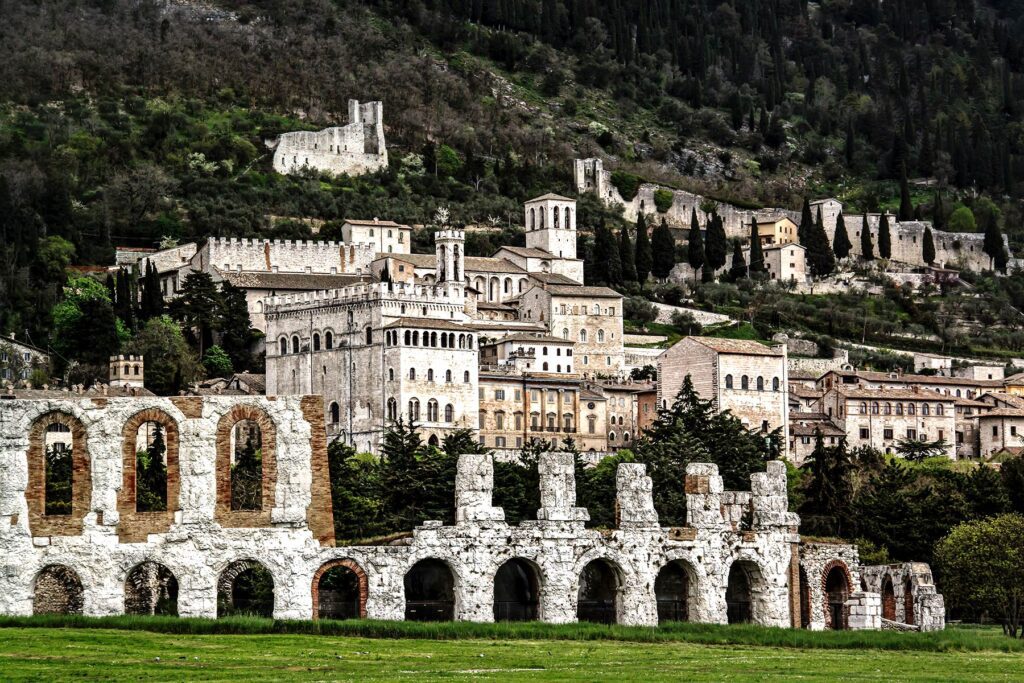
(803, 430)
(786, 262)
(387, 237)
(776, 231)
(528, 353)
(999, 429)
(352, 149)
(590, 316)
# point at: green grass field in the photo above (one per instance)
(121, 649)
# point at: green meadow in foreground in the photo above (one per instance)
(259, 649)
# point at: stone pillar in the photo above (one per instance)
(770, 499)
(865, 611)
(703, 496)
(931, 610)
(474, 487)
(558, 489)
(634, 500)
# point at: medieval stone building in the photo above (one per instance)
(352, 149)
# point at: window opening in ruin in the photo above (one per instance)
(150, 588)
(341, 593)
(888, 599)
(837, 592)
(672, 590)
(247, 466)
(598, 595)
(429, 592)
(908, 603)
(245, 587)
(59, 446)
(58, 590)
(150, 468)
(516, 591)
(335, 413)
(737, 595)
(805, 600)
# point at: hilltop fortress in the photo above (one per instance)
(354, 149)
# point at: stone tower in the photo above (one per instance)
(551, 225)
(127, 371)
(450, 247)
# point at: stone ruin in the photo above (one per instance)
(739, 558)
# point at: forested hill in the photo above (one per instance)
(125, 121)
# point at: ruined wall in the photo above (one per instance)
(914, 602)
(354, 149)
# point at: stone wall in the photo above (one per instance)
(352, 149)
(908, 594)
(283, 256)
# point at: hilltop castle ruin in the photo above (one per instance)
(354, 149)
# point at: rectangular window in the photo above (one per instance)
(864, 433)
(499, 394)
(887, 434)
(1013, 430)
(942, 435)
(995, 430)
(535, 395)
(959, 437)
(911, 433)
(805, 439)
(499, 442)
(519, 395)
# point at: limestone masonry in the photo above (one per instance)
(739, 557)
(354, 149)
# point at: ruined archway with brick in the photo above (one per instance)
(227, 514)
(675, 589)
(49, 440)
(836, 586)
(139, 520)
(245, 587)
(339, 590)
(599, 598)
(58, 590)
(888, 599)
(151, 588)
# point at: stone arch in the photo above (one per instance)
(676, 589)
(600, 586)
(245, 586)
(134, 526)
(517, 590)
(836, 586)
(340, 589)
(223, 513)
(151, 588)
(745, 592)
(888, 599)
(40, 523)
(57, 589)
(430, 590)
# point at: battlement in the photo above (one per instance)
(241, 242)
(450, 294)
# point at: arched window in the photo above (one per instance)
(433, 339)
(284, 346)
(432, 410)
(899, 408)
(568, 224)
(392, 409)
(760, 383)
(444, 341)
(611, 436)
(414, 409)
(430, 374)
(888, 408)
(247, 466)
(583, 336)
(600, 336)
(415, 338)
(449, 413)
(316, 341)
(533, 219)
(508, 285)
(391, 374)
(565, 333)
(369, 335)
(295, 344)
(448, 376)
(335, 413)
(744, 382)
(775, 383)
(926, 409)
(554, 217)
(412, 373)
(329, 340)
(863, 407)
(939, 410)
(728, 381)
(597, 309)
(874, 407)
(545, 367)
(911, 409)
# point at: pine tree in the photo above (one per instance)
(867, 249)
(819, 251)
(663, 249)
(806, 223)
(906, 206)
(841, 244)
(738, 269)
(695, 245)
(884, 238)
(928, 248)
(756, 253)
(626, 256)
(643, 256)
(716, 247)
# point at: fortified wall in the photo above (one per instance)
(739, 557)
(354, 149)
(284, 256)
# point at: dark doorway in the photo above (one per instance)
(888, 599)
(339, 594)
(516, 592)
(429, 592)
(805, 600)
(672, 590)
(150, 588)
(245, 587)
(837, 592)
(598, 595)
(908, 603)
(737, 595)
(58, 590)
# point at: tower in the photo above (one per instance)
(551, 225)
(127, 371)
(449, 246)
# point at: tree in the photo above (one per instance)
(962, 220)
(756, 253)
(1012, 474)
(606, 256)
(197, 308)
(806, 222)
(85, 328)
(663, 249)
(639, 309)
(916, 450)
(626, 256)
(695, 245)
(152, 303)
(356, 492)
(217, 362)
(151, 474)
(738, 269)
(867, 249)
(716, 247)
(906, 206)
(234, 326)
(884, 238)
(841, 244)
(171, 364)
(828, 490)
(993, 242)
(938, 212)
(928, 248)
(644, 257)
(982, 565)
(819, 251)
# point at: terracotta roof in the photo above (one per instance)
(735, 346)
(493, 306)
(419, 260)
(896, 394)
(489, 264)
(826, 428)
(112, 391)
(554, 279)
(505, 326)
(524, 337)
(550, 195)
(582, 291)
(428, 323)
(801, 391)
(250, 279)
(528, 252)
(256, 382)
(1017, 378)
(971, 403)
(387, 224)
(1000, 412)
(920, 379)
(1010, 399)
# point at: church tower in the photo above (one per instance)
(551, 225)
(450, 247)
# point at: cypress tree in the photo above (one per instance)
(823, 261)
(993, 243)
(695, 246)
(626, 256)
(738, 270)
(928, 249)
(841, 244)
(643, 256)
(906, 206)
(716, 246)
(806, 223)
(606, 256)
(756, 254)
(867, 249)
(663, 249)
(884, 238)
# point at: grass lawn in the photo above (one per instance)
(61, 654)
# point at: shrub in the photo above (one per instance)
(628, 184)
(663, 200)
(640, 310)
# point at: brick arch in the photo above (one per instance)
(134, 526)
(351, 565)
(826, 570)
(57, 589)
(223, 513)
(41, 524)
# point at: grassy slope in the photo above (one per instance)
(62, 654)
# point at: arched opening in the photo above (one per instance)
(434, 441)
(805, 600)
(150, 468)
(58, 590)
(247, 466)
(150, 588)
(598, 597)
(339, 591)
(837, 592)
(674, 590)
(888, 599)
(59, 487)
(58, 444)
(245, 587)
(737, 594)
(335, 413)
(516, 591)
(430, 592)
(908, 603)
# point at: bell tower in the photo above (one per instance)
(551, 225)
(450, 247)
